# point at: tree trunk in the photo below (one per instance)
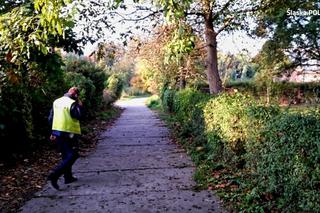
(214, 80)
(182, 83)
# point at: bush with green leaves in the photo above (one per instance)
(188, 105)
(115, 86)
(287, 164)
(90, 79)
(272, 155)
(25, 100)
(88, 69)
(226, 126)
(167, 98)
(87, 90)
(153, 102)
(233, 122)
(30, 71)
(15, 117)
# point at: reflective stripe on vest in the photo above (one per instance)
(62, 120)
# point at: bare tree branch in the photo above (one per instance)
(123, 18)
(225, 25)
(194, 13)
(222, 9)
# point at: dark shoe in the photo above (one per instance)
(70, 180)
(54, 182)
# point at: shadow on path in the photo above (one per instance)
(134, 169)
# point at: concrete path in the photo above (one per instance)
(134, 169)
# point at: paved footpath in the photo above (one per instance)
(135, 168)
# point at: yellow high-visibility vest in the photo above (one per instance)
(62, 120)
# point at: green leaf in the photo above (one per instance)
(59, 28)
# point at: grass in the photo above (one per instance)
(153, 102)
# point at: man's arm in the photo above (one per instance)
(50, 117)
(76, 110)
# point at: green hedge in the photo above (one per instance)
(167, 99)
(153, 102)
(90, 79)
(274, 154)
(286, 162)
(187, 106)
(232, 125)
(25, 100)
(86, 87)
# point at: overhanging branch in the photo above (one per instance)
(222, 9)
(123, 18)
(225, 25)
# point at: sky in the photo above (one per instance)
(238, 42)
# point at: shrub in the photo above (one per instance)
(167, 98)
(87, 90)
(16, 127)
(114, 86)
(93, 74)
(188, 105)
(153, 102)
(25, 101)
(107, 98)
(233, 122)
(281, 92)
(226, 126)
(287, 162)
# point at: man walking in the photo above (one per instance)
(64, 117)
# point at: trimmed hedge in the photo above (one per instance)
(186, 107)
(188, 104)
(167, 98)
(232, 124)
(275, 153)
(90, 79)
(287, 162)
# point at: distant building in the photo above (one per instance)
(302, 75)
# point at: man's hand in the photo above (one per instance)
(53, 138)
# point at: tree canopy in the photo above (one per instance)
(292, 27)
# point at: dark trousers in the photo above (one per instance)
(69, 151)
